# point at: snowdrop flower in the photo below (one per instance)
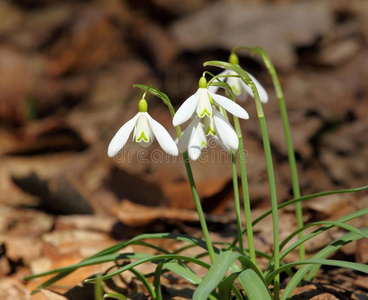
(201, 103)
(145, 129)
(239, 88)
(193, 139)
(220, 128)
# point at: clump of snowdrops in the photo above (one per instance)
(233, 271)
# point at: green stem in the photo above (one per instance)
(236, 190)
(198, 205)
(246, 199)
(289, 145)
(188, 168)
(267, 148)
(272, 185)
(237, 201)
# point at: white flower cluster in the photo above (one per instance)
(204, 105)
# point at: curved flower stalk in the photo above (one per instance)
(145, 130)
(201, 104)
(239, 88)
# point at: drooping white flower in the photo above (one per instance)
(239, 88)
(145, 129)
(200, 104)
(220, 128)
(193, 139)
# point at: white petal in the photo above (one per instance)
(142, 130)
(195, 145)
(163, 137)
(186, 110)
(221, 143)
(202, 135)
(261, 91)
(225, 131)
(187, 134)
(204, 107)
(230, 106)
(121, 137)
(214, 89)
(145, 144)
(209, 126)
(235, 84)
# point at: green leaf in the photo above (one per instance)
(156, 92)
(152, 258)
(90, 261)
(183, 271)
(226, 286)
(325, 252)
(330, 224)
(145, 282)
(328, 262)
(157, 280)
(301, 199)
(115, 296)
(215, 274)
(253, 285)
(339, 222)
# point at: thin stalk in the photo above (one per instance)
(290, 148)
(237, 201)
(188, 168)
(267, 148)
(271, 176)
(198, 205)
(272, 185)
(236, 192)
(246, 199)
(289, 144)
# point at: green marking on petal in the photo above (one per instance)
(235, 90)
(205, 112)
(204, 144)
(142, 137)
(210, 131)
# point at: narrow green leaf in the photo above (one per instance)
(144, 281)
(322, 254)
(328, 262)
(157, 280)
(330, 224)
(226, 286)
(254, 286)
(339, 222)
(136, 240)
(115, 296)
(183, 271)
(301, 199)
(152, 258)
(215, 274)
(156, 92)
(91, 261)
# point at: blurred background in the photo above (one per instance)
(67, 70)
